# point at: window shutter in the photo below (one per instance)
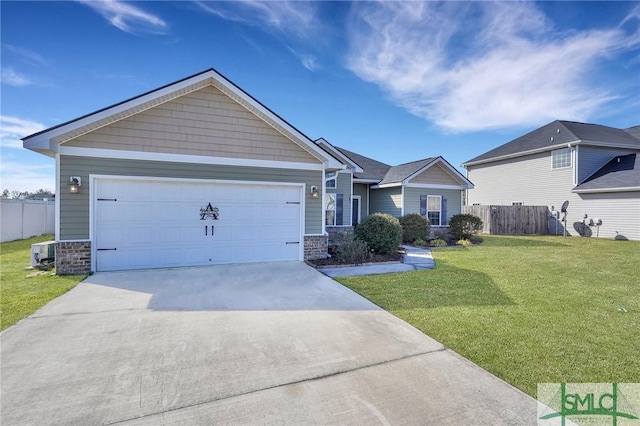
(339, 209)
(445, 220)
(423, 205)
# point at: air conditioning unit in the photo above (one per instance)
(43, 252)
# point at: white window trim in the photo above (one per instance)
(325, 209)
(334, 178)
(571, 159)
(439, 211)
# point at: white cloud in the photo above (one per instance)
(470, 66)
(30, 177)
(308, 61)
(26, 55)
(12, 129)
(14, 78)
(126, 17)
(296, 20)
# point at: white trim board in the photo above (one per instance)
(182, 158)
(434, 186)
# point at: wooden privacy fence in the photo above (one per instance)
(511, 220)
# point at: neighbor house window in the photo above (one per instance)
(330, 179)
(561, 158)
(330, 209)
(434, 209)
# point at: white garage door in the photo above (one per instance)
(142, 224)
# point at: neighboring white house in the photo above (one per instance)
(596, 168)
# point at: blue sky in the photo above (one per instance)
(396, 81)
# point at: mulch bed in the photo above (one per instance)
(375, 258)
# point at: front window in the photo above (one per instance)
(330, 179)
(561, 158)
(330, 209)
(434, 208)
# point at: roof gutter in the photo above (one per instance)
(520, 154)
(599, 190)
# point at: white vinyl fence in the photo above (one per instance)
(26, 218)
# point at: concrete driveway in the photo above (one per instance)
(238, 344)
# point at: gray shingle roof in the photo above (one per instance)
(374, 170)
(385, 174)
(634, 131)
(399, 173)
(558, 133)
(621, 172)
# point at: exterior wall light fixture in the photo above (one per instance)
(75, 182)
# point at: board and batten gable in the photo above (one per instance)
(74, 208)
(453, 203)
(435, 174)
(386, 200)
(205, 122)
(527, 179)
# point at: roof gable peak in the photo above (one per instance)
(48, 140)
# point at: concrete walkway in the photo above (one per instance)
(415, 258)
(271, 343)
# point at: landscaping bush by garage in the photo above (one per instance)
(464, 226)
(414, 227)
(381, 231)
(350, 250)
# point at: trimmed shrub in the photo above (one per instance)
(420, 242)
(463, 226)
(414, 227)
(464, 242)
(350, 250)
(381, 231)
(438, 242)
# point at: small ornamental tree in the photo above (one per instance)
(414, 227)
(463, 226)
(381, 231)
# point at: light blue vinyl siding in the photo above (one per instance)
(453, 196)
(386, 200)
(74, 209)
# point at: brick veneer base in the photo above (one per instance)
(315, 247)
(73, 257)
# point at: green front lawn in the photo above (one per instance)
(528, 309)
(21, 296)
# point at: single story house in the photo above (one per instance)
(199, 172)
(595, 168)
